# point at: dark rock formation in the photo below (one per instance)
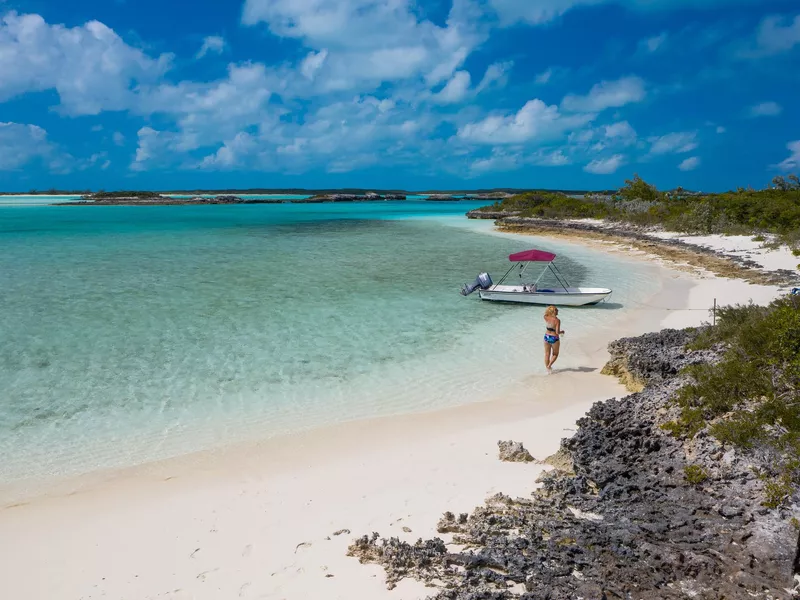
(443, 198)
(488, 214)
(513, 452)
(369, 197)
(629, 523)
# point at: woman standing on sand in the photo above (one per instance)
(552, 341)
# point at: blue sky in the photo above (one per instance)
(418, 94)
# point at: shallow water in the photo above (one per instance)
(136, 333)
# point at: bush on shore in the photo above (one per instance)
(744, 211)
(750, 399)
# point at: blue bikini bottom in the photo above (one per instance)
(550, 339)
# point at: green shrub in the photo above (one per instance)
(695, 474)
(751, 397)
(741, 212)
(777, 491)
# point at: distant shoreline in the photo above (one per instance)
(310, 192)
(155, 199)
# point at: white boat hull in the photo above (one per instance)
(556, 296)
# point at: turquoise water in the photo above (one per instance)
(136, 333)
(6, 201)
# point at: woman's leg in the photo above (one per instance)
(547, 349)
(556, 348)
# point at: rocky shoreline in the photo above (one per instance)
(625, 232)
(630, 511)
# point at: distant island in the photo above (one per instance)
(483, 192)
(146, 198)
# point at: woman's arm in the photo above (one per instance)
(558, 327)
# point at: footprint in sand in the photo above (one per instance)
(302, 545)
(248, 550)
(243, 589)
(202, 576)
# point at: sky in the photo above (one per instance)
(425, 94)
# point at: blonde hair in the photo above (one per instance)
(550, 311)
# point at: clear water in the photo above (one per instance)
(136, 333)
(6, 201)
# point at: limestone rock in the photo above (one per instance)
(513, 452)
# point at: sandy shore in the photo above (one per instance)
(260, 521)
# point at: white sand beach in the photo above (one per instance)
(261, 521)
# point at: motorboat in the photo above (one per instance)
(531, 293)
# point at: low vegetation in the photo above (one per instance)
(124, 194)
(750, 399)
(695, 474)
(773, 210)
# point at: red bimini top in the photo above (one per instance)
(532, 256)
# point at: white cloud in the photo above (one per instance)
(607, 94)
(496, 73)
(652, 44)
(313, 63)
(775, 35)
(497, 162)
(370, 41)
(206, 113)
(501, 160)
(97, 128)
(543, 77)
(339, 136)
(621, 130)
(690, 164)
(211, 44)
(556, 158)
(534, 12)
(793, 161)
(721, 129)
(99, 159)
(605, 166)
(152, 145)
(231, 153)
(583, 136)
(90, 67)
(118, 138)
(20, 144)
(455, 90)
(534, 121)
(677, 142)
(766, 109)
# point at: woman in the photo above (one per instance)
(552, 342)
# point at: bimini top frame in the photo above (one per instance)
(523, 259)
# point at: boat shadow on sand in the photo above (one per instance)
(576, 370)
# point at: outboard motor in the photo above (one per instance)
(482, 281)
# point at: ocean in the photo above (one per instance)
(131, 334)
